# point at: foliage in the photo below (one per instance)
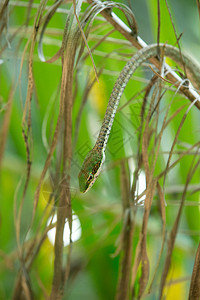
(140, 221)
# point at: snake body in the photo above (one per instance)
(94, 160)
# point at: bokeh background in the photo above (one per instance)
(94, 261)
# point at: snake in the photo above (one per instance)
(93, 162)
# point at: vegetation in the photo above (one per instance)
(135, 233)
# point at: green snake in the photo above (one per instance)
(94, 160)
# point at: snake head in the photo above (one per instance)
(90, 169)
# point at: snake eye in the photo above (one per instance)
(90, 177)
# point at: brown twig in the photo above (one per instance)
(194, 293)
(6, 122)
(174, 230)
(127, 236)
(68, 58)
(136, 42)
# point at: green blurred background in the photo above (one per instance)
(94, 268)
